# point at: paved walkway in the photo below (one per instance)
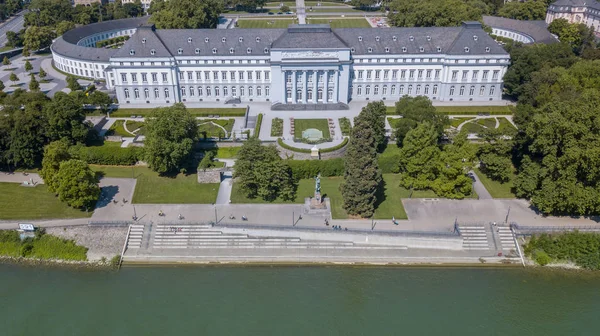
(21, 177)
(224, 195)
(301, 11)
(480, 189)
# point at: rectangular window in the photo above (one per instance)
(144, 78)
(428, 74)
(258, 75)
(360, 74)
(485, 74)
(495, 74)
(124, 77)
(411, 74)
(369, 74)
(454, 74)
(420, 74)
(206, 75)
(394, 74)
(241, 75)
(475, 75)
(215, 75)
(386, 74)
(437, 74)
(377, 74)
(232, 75)
(224, 75)
(267, 76)
(164, 77)
(465, 74)
(190, 75)
(181, 75)
(403, 74)
(198, 75)
(249, 75)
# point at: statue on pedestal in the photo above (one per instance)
(317, 202)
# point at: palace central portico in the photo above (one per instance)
(301, 67)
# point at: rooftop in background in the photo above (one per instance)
(538, 30)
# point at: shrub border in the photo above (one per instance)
(308, 151)
(257, 127)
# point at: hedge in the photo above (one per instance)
(304, 169)
(103, 155)
(306, 150)
(258, 125)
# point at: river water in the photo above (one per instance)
(297, 301)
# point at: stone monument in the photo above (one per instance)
(317, 202)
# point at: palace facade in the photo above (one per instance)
(302, 65)
(576, 11)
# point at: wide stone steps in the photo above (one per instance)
(474, 237)
(507, 238)
(136, 234)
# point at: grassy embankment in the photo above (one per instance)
(43, 246)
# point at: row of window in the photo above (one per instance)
(79, 72)
(427, 60)
(136, 93)
(225, 75)
(360, 74)
(289, 75)
(426, 90)
(309, 95)
(475, 75)
(208, 91)
(91, 41)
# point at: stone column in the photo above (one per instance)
(336, 83)
(305, 86)
(316, 86)
(325, 85)
(284, 101)
(294, 87)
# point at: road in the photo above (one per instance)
(13, 24)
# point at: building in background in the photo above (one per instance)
(87, 2)
(145, 3)
(576, 11)
(520, 30)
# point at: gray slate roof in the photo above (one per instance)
(576, 3)
(318, 36)
(142, 43)
(74, 35)
(538, 30)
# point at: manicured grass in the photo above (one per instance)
(306, 3)
(394, 122)
(118, 129)
(345, 126)
(341, 23)
(277, 127)
(474, 109)
(121, 171)
(227, 152)
(506, 127)
(34, 203)
(198, 112)
(265, 23)
(487, 122)
(455, 122)
(301, 125)
(472, 127)
(495, 188)
(207, 128)
(44, 247)
(134, 125)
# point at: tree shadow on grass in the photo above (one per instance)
(380, 194)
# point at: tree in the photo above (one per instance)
(66, 119)
(375, 113)
(496, 167)
(100, 99)
(45, 13)
(2, 86)
(170, 136)
(26, 136)
(77, 184)
(284, 8)
(262, 173)
(28, 66)
(26, 52)
(456, 160)
(577, 35)
(15, 40)
(13, 77)
(415, 110)
(55, 153)
(5, 61)
(34, 85)
(527, 10)
(419, 157)
(435, 13)
(362, 177)
(38, 38)
(63, 27)
(187, 14)
(42, 73)
(72, 83)
(207, 161)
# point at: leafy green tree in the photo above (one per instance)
(45, 13)
(72, 83)
(262, 173)
(362, 177)
(77, 184)
(27, 138)
(207, 161)
(15, 40)
(5, 61)
(577, 35)
(34, 85)
(284, 8)
(419, 157)
(38, 38)
(170, 136)
(374, 113)
(435, 13)
(456, 160)
(28, 66)
(13, 77)
(66, 119)
(63, 27)
(42, 73)
(100, 99)
(55, 153)
(2, 86)
(496, 167)
(26, 52)
(187, 14)
(415, 110)
(526, 10)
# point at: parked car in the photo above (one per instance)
(271, 13)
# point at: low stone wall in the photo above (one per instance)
(285, 153)
(210, 176)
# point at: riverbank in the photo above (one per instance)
(71, 264)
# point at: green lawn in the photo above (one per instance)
(33, 203)
(134, 125)
(487, 122)
(152, 188)
(472, 127)
(393, 122)
(495, 188)
(303, 124)
(207, 128)
(455, 122)
(198, 112)
(468, 110)
(506, 127)
(44, 247)
(342, 23)
(276, 127)
(265, 23)
(118, 129)
(227, 152)
(345, 126)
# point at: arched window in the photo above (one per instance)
(217, 91)
(156, 93)
(200, 91)
(225, 91)
(482, 90)
(234, 91)
(267, 91)
(250, 91)
(418, 89)
(359, 90)
(492, 89)
(393, 91)
(136, 93)
(329, 94)
(435, 88)
(258, 91)
(384, 90)
(426, 89)
(299, 94)
(462, 90)
(242, 91)
(191, 91)
(319, 94)
(208, 91)
(146, 93)
(126, 92)
(288, 94)
(309, 94)
(452, 90)
(183, 91)
(376, 90)
(368, 90)
(471, 90)
(401, 89)
(166, 93)
(410, 89)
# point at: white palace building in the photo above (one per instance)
(301, 67)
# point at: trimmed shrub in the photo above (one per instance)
(303, 169)
(306, 150)
(104, 155)
(258, 125)
(334, 148)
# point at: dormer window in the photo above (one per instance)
(403, 49)
(197, 51)
(231, 50)
(214, 50)
(180, 51)
(428, 38)
(387, 50)
(131, 52)
(439, 49)
(377, 38)
(466, 49)
(421, 49)
(189, 40)
(152, 52)
(258, 39)
(266, 50)
(223, 39)
(206, 40)
(241, 39)
(360, 38)
(411, 38)
(249, 50)
(487, 49)
(474, 37)
(144, 40)
(394, 38)
(352, 50)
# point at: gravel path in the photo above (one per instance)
(101, 241)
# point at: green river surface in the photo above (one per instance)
(297, 301)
